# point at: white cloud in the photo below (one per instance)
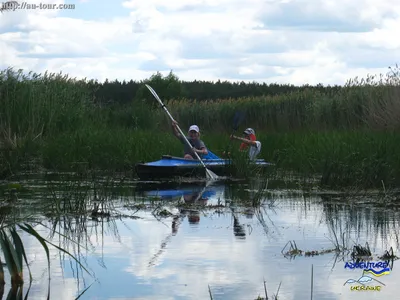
(273, 41)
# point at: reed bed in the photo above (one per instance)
(346, 135)
(370, 103)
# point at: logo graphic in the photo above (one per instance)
(370, 270)
(385, 271)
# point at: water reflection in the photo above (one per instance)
(195, 198)
(364, 217)
(170, 241)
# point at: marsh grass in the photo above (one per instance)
(240, 166)
(12, 247)
(76, 208)
(342, 159)
(349, 137)
(361, 103)
(107, 149)
(33, 107)
(70, 225)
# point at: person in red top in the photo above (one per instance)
(249, 136)
(249, 140)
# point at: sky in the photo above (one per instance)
(273, 41)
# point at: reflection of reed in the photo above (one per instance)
(65, 214)
(260, 213)
(370, 220)
(254, 200)
(68, 213)
(348, 221)
(77, 211)
(80, 209)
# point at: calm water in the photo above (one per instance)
(231, 249)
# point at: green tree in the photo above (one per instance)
(167, 87)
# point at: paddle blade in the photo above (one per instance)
(211, 175)
(159, 101)
(237, 119)
(152, 91)
(154, 94)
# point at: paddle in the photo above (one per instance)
(209, 173)
(237, 119)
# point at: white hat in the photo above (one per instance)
(195, 128)
(249, 131)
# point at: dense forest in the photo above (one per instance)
(171, 87)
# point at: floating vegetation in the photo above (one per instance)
(388, 255)
(360, 251)
(294, 251)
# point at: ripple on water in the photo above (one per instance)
(232, 252)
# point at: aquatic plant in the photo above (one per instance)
(273, 297)
(14, 253)
(347, 136)
(240, 166)
(361, 103)
(360, 251)
(13, 224)
(388, 255)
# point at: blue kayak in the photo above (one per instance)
(171, 194)
(171, 166)
(174, 190)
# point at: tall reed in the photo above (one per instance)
(346, 134)
(370, 103)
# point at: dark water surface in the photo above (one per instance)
(232, 249)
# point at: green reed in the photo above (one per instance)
(342, 158)
(349, 136)
(12, 248)
(368, 103)
(63, 209)
(33, 105)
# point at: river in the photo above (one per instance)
(187, 240)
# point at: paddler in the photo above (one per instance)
(194, 140)
(249, 142)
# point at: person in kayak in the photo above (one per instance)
(249, 140)
(194, 139)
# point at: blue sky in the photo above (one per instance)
(297, 42)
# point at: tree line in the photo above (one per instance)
(171, 87)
